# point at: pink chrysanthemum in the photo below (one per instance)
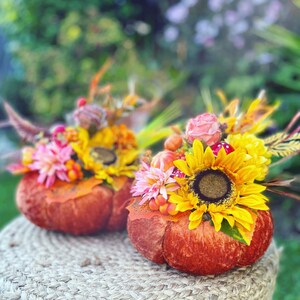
(151, 182)
(49, 160)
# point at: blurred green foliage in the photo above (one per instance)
(59, 46)
(288, 284)
(8, 208)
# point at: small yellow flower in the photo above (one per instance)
(254, 148)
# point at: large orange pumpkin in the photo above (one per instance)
(201, 251)
(84, 207)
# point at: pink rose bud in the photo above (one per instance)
(204, 127)
(164, 158)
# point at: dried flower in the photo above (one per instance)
(90, 115)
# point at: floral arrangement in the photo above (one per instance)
(78, 175)
(199, 204)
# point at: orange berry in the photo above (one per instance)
(172, 209)
(69, 164)
(153, 205)
(77, 167)
(160, 200)
(72, 175)
(164, 209)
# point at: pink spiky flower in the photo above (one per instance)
(151, 182)
(49, 160)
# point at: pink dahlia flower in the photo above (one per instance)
(204, 127)
(151, 182)
(49, 160)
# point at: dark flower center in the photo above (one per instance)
(212, 186)
(106, 156)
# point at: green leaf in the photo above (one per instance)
(232, 232)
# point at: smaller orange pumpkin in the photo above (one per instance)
(82, 207)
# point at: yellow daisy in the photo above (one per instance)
(254, 148)
(219, 188)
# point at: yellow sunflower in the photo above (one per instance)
(99, 155)
(219, 188)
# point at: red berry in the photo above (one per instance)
(218, 146)
(81, 102)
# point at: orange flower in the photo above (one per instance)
(124, 137)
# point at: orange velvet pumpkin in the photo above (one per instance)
(83, 207)
(201, 251)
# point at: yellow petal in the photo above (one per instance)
(252, 188)
(247, 174)
(254, 202)
(246, 234)
(234, 160)
(174, 198)
(184, 206)
(209, 158)
(220, 157)
(182, 166)
(196, 215)
(230, 219)
(241, 214)
(245, 224)
(194, 224)
(198, 151)
(191, 161)
(217, 219)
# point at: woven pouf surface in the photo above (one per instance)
(37, 264)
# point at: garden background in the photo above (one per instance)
(182, 50)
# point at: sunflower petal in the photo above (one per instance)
(209, 158)
(198, 151)
(241, 214)
(252, 188)
(254, 202)
(247, 174)
(217, 219)
(182, 166)
(191, 161)
(194, 224)
(220, 157)
(196, 215)
(184, 206)
(230, 219)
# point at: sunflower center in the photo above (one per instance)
(104, 155)
(212, 186)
